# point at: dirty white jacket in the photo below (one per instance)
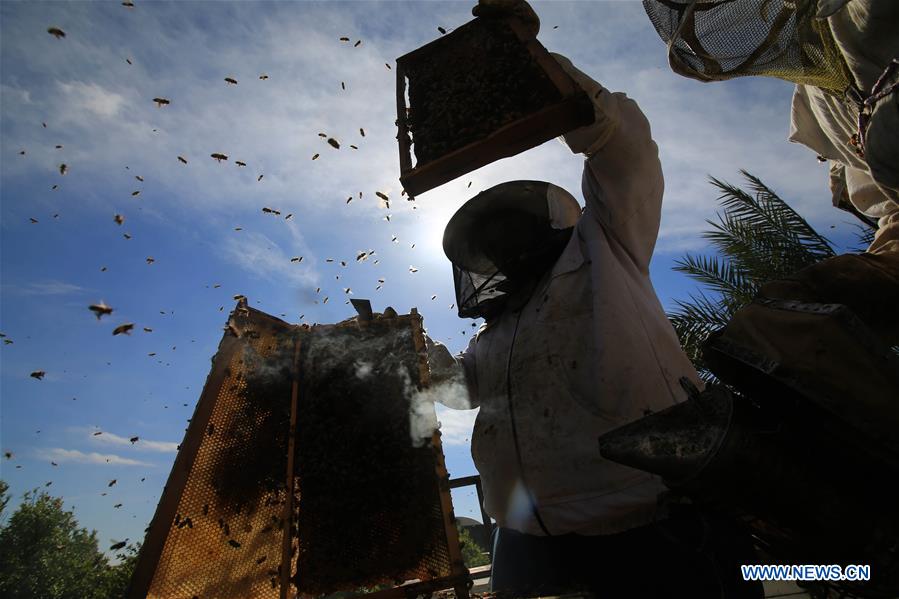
(867, 34)
(591, 350)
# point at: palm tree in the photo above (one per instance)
(758, 238)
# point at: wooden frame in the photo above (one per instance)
(574, 110)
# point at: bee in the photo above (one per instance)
(388, 66)
(126, 235)
(239, 297)
(238, 228)
(349, 199)
(148, 330)
(182, 159)
(138, 177)
(128, 4)
(119, 219)
(343, 263)
(34, 221)
(263, 77)
(433, 297)
(347, 291)
(102, 269)
(315, 157)
(413, 269)
(21, 152)
(289, 216)
(135, 193)
(469, 184)
(58, 146)
(123, 328)
(357, 44)
(441, 30)
(231, 80)
(381, 195)
(134, 440)
(260, 560)
(57, 33)
(333, 143)
(239, 163)
(354, 147)
(55, 187)
(63, 169)
(150, 260)
(219, 157)
(325, 301)
(344, 39)
(342, 85)
(387, 218)
(112, 482)
(117, 546)
(38, 374)
(128, 60)
(100, 309)
(160, 102)
(297, 259)
(116, 506)
(259, 178)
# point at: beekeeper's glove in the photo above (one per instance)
(509, 8)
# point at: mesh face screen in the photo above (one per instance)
(368, 505)
(722, 39)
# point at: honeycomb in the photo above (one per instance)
(370, 508)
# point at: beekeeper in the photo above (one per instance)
(843, 56)
(576, 343)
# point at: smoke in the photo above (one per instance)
(422, 414)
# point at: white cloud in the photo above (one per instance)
(58, 454)
(45, 288)
(91, 97)
(259, 254)
(456, 425)
(108, 438)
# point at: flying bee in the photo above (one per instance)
(112, 482)
(354, 147)
(263, 77)
(123, 328)
(219, 157)
(182, 159)
(63, 169)
(344, 39)
(231, 80)
(100, 309)
(315, 157)
(56, 32)
(361, 131)
(119, 219)
(441, 30)
(116, 506)
(38, 374)
(128, 4)
(117, 546)
(134, 440)
(357, 44)
(139, 178)
(413, 269)
(239, 163)
(297, 259)
(333, 143)
(135, 193)
(150, 260)
(160, 102)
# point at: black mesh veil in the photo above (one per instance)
(504, 237)
(713, 40)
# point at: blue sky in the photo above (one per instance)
(99, 108)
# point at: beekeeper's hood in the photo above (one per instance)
(503, 237)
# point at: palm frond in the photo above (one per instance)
(758, 238)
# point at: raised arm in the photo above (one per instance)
(622, 181)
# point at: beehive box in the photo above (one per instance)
(482, 93)
(309, 447)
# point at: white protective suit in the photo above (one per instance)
(592, 349)
(867, 34)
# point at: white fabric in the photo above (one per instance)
(866, 33)
(563, 209)
(593, 349)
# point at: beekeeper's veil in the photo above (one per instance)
(503, 237)
(712, 40)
